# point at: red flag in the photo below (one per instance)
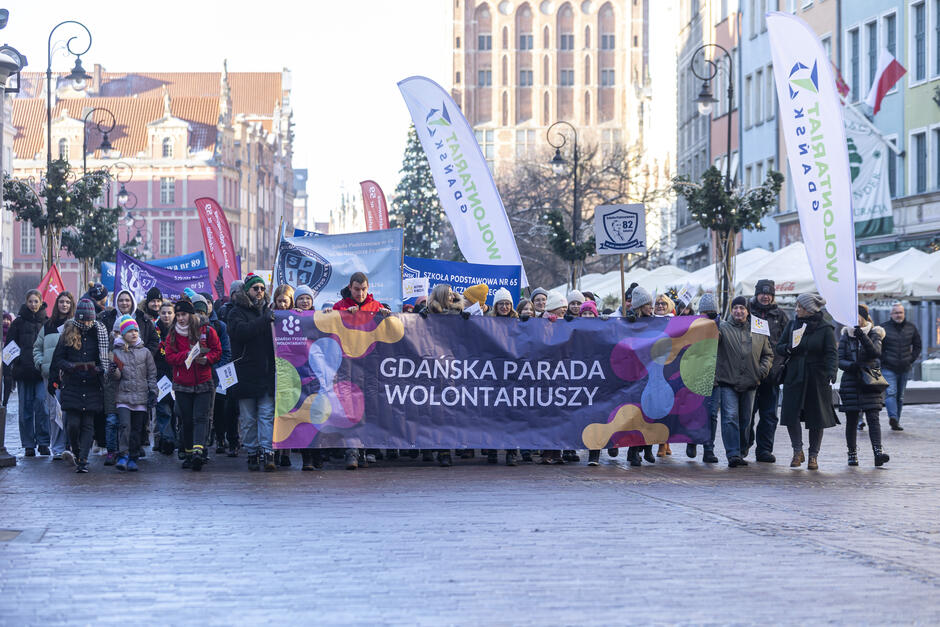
(374, 202)
(889, 72)
(50, 287)
(220, 249)
(841, 85)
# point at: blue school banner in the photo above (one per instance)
(460, 276)
(403, 381)
(303, 233)
(325, 263)
(138, 277)
(192, 261)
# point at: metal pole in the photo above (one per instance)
(576, 218)
(5, 458)
(623, 289)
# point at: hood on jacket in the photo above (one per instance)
(241, 299)
(873, 330)
(33, 316)
(118, 295)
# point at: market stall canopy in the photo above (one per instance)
(607, 284)
(927, 283)
(790, 271)
(907, 264)
(703, 279)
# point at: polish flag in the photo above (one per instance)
(889, 72)
(50, 287)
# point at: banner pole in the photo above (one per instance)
(623, 289)
(277, 251)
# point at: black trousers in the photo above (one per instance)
(81, 428)
(193, 408)
(851, 427)
(130, 430)
(225, 420)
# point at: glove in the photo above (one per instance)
(465, 315)
(423, 313)
(523, 318)
(271, 315)
(568, 317)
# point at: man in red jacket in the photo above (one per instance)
(356, 297)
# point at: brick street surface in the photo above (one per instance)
(406, 543)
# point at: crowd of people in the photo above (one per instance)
(89, 375)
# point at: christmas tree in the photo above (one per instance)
(416, 207)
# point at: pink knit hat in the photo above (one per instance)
(589, 305)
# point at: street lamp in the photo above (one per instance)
(558, 167)
(706, 100)
(79, 79)
(103, 127)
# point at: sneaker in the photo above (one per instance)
(81, 466)
(188, 462)
(510, 458)
(444, 459)
(43, 450)
(351, 459)
(766, 458)
(370, 458)
(895, 424)
(131, 466)
(68, 456)
(110, 459)
(570, 456)
(594, 458)
(253, 464)
(121, 463)
(709, 457)
(56, 457)
(861, 425)
(30, 452)
(269, 465)
(735, 461)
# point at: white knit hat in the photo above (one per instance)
(640, 297)
(501, 295)
(555, 300)
(575, 295)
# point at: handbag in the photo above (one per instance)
(872, 379)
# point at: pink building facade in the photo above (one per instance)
(185, 136)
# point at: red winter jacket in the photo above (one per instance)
(368, 305)
(177, 351)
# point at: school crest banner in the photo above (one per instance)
(811, 119)
(404, 381)
(463, 180)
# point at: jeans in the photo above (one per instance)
(112, 431)
(34, 421)
(735, 419)
(897, 381)
(713, 404)
(851, 428)
(194, 419)
(796, 439)
(58, 438)
(164, 427)
(131, 427)
(256, 424)
(81, 426)
(765, 402)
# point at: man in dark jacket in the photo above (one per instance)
(899, 350)
(249, 327)
(744, 360)
(763, 306)
(34, 421)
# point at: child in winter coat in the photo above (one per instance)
(192, 382)
(136, 374)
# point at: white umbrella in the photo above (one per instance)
(790, 271)
(703, 279)
(927, 283)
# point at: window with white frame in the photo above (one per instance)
(747, 176)
(889, 35)
(485, 137)
(770, 102)
(607, 41)
(892, 167)
(936, 37)
(758, 99)
(918, 58)
(167, 148)
(755, 15)
(167, 190)
(827, 45)
(64, 149)
(167, 238)
(484, 42)
(871, 42)
(525, 143)
(919, 165)
(748, 87)
(566, 41)
(525, 78)
(855, 70)
(27, 239)
(525, 41)
(611, 139)
(935, 135)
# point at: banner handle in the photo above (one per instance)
(623, 290)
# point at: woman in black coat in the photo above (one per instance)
(860, 349)
(811, 368)
(34, 421)
(79, 364)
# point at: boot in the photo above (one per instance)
(812, 464)
(427, 455)
(594, 458)
(285, 459)
(633, 456)
(648, 454)
(690, 450)
(798, 459)
(527, 456)
(709, 457)
(853, 457)
(198, 458)
(306, 458)
(613, 452)
(269, 465)
(253, 464)
(511, 458)
(881, 458)
(491, 457)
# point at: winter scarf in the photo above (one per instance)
(104, 342)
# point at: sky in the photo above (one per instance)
(345, 56)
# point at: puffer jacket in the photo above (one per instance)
(368, 305)
(859, 350)
(249, 328)
(148, 333)
(23, 331)
(136, 373)
(777, 320)
(744, 358)
(177, 349)
(901, 346)
(79, 371)
(45, 344)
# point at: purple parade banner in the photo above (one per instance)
(404, 381)
(138, 277)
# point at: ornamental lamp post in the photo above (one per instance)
(104, 127)
(11, 63)
(558, 165)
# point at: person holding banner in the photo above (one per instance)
(539, 298)
(283, 301)
(640, 306)
(809, 345)
(525, 308)
(443, 301)
(502, 305)
(192, 346)
(356, 297)
(43, 349)
(708, 306)
(249, 327)
(303, 298)
(33, 420)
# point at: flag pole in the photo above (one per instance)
(623, 290)
(277, 252)
(864, 118)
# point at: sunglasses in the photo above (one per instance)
(257, 288)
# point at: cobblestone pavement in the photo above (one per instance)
(405, 543)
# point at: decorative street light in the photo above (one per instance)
(706, 100)
(103, 127)
(79, 79)
(558, 164)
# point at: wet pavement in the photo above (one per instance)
(408, 543)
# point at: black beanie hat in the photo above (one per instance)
(184, 306)
(628, 295)
(863, 311)
(739, 300)
(154, 294)
(765, 286)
